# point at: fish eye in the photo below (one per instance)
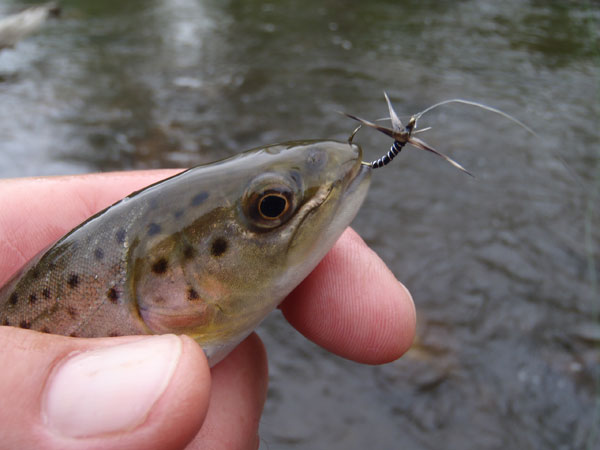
(270, 201)
(272, 205)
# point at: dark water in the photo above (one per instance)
(504, 269)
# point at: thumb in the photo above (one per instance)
(130, 392)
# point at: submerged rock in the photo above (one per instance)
(18, 26)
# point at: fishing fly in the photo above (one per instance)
(404, 134)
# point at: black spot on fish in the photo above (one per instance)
(198, 199)
(99, 253)
(192, 294)
(13, 299)
(188, 252)
(120, 235)
(114, 334)
(218, 247)
(158, 300)
(178, 214)
(32, 298)
(72, 312)
(45, 330)
(73, 281)
(5, 322)
(153, 229)
(113, 295)
(74, 334)
(160, 266)
(25, 324)
(46, 293)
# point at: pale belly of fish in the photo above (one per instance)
(208, 252)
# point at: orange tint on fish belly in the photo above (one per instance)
(166, 321)
(176, 305)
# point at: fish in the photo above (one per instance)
(208, 252)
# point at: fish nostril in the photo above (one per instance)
(316, 160)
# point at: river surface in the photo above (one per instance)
(503, 268)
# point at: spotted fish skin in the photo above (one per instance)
(208, 252)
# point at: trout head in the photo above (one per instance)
(264, 221)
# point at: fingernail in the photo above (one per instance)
(111, 389)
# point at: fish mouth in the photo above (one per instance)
(354, 179)
(359, 175)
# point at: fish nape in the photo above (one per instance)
(403, 134)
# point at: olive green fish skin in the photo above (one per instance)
(205, 253)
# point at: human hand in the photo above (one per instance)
(158, 392)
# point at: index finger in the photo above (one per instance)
(353, 305)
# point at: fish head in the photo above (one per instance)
(268, 218)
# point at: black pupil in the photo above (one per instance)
(272, 206)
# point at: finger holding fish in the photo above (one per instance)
(106, 393)
(364, 313)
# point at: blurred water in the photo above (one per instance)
(503, 268)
